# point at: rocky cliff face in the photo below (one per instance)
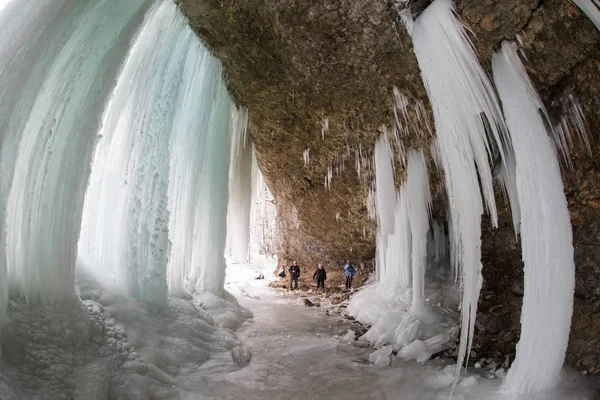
(318, 77)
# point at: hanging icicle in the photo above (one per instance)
(466, 113)
(546, 235)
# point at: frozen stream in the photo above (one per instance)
(299, 352)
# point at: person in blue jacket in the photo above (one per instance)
(349, 271)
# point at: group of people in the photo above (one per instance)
(319, 276)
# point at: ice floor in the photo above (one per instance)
(205, 347)
(299, 352)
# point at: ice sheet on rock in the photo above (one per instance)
(546, 234)
(466, 113)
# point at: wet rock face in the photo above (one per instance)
(302, 66)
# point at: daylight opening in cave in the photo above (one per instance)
(265, 200)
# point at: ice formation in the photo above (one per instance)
(466, 112)
(306, 156)
(545, 232)
(64, 74)
(419, 208)
(240, 192)
(385, 198)
(591, 8)
(156, 182)
(262, 215)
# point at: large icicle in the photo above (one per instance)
(545, 232)
(208, 261)
(419, 206)
(189, 145)
(240, 192)
(385, 198)
(464, 107)
(70, 69)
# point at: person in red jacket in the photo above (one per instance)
(320, 276)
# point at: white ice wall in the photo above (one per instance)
(60, 76)
(546, 235)
(157, 200)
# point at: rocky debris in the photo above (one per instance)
(308, 303)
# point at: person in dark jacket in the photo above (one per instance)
(319, 276)
(349, 271)
(294, 275)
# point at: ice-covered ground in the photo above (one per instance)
(206, 347)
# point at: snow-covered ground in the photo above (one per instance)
(260, 344)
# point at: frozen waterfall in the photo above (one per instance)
(49, 130)
(466, 113)
(100, 162)
(545, 232)
(419, 208)
(240, 195)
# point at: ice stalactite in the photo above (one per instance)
(208, 262)
(240, 191)
(158, 174)
(385, 199)
(263, 214)
(306, 156)
(591, 8)
(419, 207)
(464, 107)
(64, 73)
(546, 234)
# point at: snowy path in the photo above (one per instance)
(298, 353)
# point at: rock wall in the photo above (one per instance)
(320, 76)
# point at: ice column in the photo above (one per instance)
(545, 232)
(208, 261)
(419, 206)
(385, 199)
(240, 192)
(464, 106)
(49, 128)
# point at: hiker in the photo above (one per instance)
(349, 271)
(319, 276)
(294, 275)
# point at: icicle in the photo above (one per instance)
(306, 156)
(572, 120)
(328, 178)
(545, 233)
(591, 8)
(240, 190)
(419, 206)
(463, 100)
(61, 76)
(324, 127)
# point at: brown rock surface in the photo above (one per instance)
(296, 63)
